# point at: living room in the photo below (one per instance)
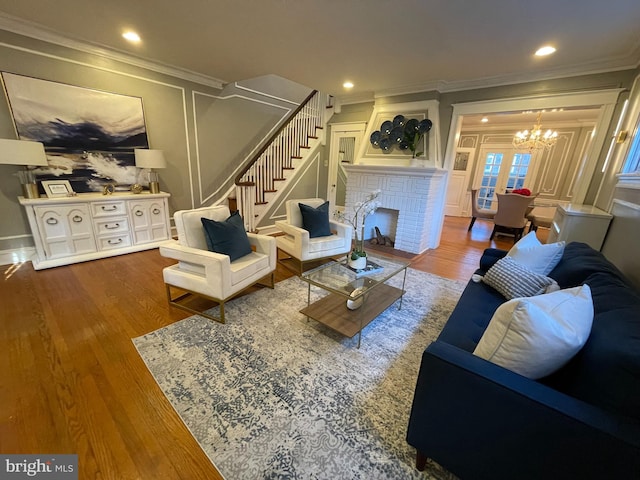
(185, 116)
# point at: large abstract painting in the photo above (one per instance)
(89, 135)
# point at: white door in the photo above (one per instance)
(345, 141)
(501, 168)
(458, 195)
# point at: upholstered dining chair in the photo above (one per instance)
(540, 217)
(511, 215)
(322, 238)
(477, 212)
(202, 270)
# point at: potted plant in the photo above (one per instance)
(358, 256)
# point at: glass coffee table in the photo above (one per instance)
(374, 294)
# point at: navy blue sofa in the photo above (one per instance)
(482, 421)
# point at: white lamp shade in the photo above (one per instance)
(147, 158)
(22, 152)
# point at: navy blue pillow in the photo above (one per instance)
(228, 237)
(316, 220)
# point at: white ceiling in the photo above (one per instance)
(383, 46)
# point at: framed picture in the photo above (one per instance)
(89, 135)
(57, 188)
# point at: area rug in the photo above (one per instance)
(272, 394)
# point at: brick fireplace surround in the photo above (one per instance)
(416, 192)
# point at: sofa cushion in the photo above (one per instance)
(606, 372)
(536, 336)
(316, 219)
(538, 257)
(513, 279)
(489, 257)
(228, 237)
(470, 316)
(579, 261)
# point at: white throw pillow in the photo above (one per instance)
(535, 336)
(539, 257)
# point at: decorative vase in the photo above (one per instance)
(359, 263)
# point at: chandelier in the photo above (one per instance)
(534, 139)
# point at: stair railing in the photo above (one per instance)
(269, 164)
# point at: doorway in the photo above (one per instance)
(501, 168)
(602, 101)
(345, 142)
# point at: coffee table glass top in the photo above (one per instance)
(336, 277)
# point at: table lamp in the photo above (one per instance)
(147, 158)
(23, 152)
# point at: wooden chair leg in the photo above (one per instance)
(473, 220)
(421, 460)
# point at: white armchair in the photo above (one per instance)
(298, 245)
(209, 274)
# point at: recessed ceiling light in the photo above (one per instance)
(347, 84)
(131, 36)
(546, 50)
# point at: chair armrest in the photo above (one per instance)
(300, 235)
(342, 229)
(291, 229)
(468, 413)
(264, 244)
(215, 265)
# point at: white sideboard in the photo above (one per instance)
(89, 226)
(580, 223)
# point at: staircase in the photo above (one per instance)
(274, 165)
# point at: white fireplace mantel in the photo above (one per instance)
(416, 192)
(396, 170)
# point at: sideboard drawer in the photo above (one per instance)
(111, 226)
(108, 208)
(118, 241)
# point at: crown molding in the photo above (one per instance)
(39, 32)
(626, 62)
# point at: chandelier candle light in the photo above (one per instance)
(360, 212)
(535, 139)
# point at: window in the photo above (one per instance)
(632, 162)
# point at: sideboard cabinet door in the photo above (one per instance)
(149, 220)
(65, 230)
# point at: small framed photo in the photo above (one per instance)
(57, 188)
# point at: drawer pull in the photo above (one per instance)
(139, 213)
(112, 227)
(114, 242)
(112, 208)
(156, 211)
(52, 221)
(77, 219)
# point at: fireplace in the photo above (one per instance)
(416, 193)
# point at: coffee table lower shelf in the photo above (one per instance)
(332, 310)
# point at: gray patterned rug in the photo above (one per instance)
(274, 395)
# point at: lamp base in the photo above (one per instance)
(30, 190)
(154, 187)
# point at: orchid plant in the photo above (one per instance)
(360, 212)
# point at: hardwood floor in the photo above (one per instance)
(72, 381)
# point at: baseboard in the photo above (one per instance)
(18, 255)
